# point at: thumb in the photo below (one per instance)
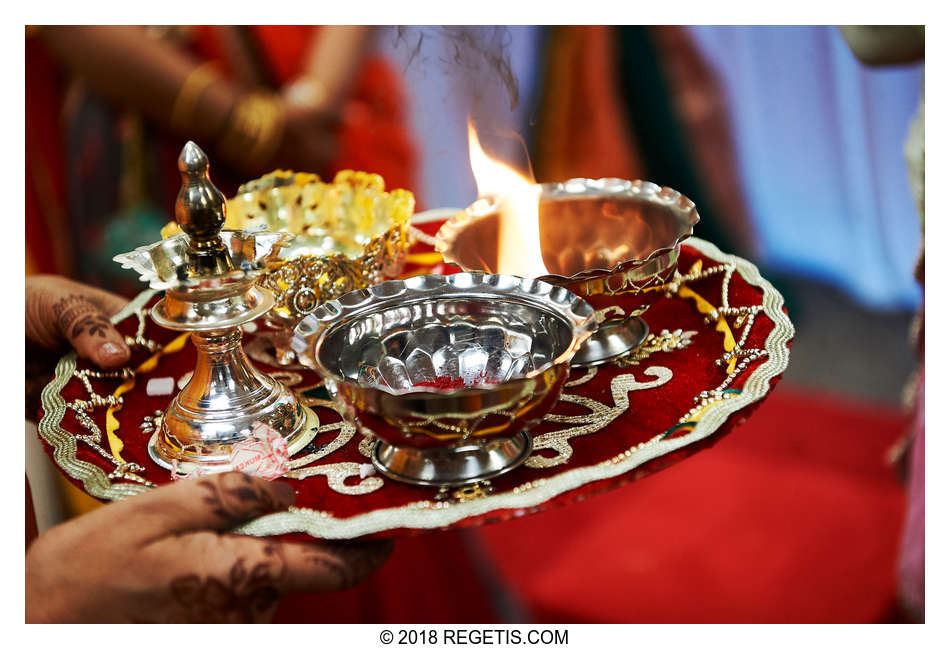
(216, 502)
(322, 567)
(91, 333)
(57, 309)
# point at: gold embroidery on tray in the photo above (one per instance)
(288, 378)
(600, 415)
(82, 408)
(95, 480)
(347, 431)
(336, 476)
(665, 341)
(744, 315)
(338, 472)
(367, 444)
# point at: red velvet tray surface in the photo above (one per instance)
(611, 426)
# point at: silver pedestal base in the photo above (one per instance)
(451, 466)
(613, 339)
(163, 450)
(220, 406)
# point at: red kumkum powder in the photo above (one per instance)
(449, 383)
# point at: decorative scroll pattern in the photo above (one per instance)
(598, 416)
(665, 341)
(337, 474)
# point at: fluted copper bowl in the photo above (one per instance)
(602, 237)
(447, 371)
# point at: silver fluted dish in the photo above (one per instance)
(167, 264)
(447, 371)
(601, 237)
(198, 301)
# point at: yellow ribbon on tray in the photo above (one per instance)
(424, 258)
(705, 307)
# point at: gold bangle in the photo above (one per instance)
(254, 129)
(186, 103)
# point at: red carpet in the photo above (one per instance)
(794, 517)
(429, 578)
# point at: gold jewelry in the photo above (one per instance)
(254, 129)
(186, 103)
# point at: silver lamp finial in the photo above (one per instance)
(200, 207)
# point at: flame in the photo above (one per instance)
(519, 245)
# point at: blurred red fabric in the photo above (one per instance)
(793, 517)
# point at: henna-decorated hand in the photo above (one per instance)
(165, 556)
(60, 310)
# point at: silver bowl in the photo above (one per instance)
(598, 238)
(447, 371)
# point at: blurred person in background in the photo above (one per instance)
(651, 107)
(883, 45)
(108, 109)
(791, 148)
